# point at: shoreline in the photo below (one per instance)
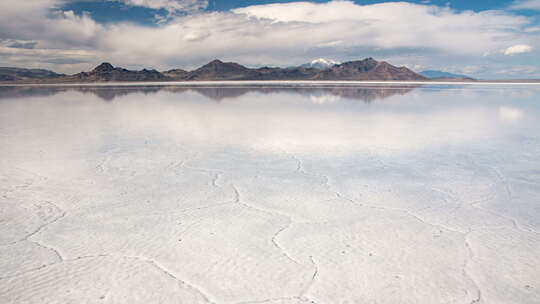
(269, 83)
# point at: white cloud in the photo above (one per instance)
(398, 24)
(519, 71)
(286, 33)
(330, 43)
(278, 34)
(32, 20)
(170, 5)
(532, 29)
(472, 69)
(518, 49)
(526, 4)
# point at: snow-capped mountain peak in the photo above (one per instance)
(320, 63)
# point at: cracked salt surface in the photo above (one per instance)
(383, 194)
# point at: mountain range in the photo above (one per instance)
(366, 69)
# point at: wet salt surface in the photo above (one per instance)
(368, 194)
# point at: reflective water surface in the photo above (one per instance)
(253, 194)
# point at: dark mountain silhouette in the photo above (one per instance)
(18, 74)
(219, 70)
(367, 69)
(294, 73)
(106, 72)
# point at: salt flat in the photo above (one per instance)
(400, 193)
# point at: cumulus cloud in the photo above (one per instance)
(33, 20)
(18, 44)
(47, 58)
(171, 6)
(526, 4)
(34, 34)
(276, 34)
(532, 29)
(518, 49)
(398, 24)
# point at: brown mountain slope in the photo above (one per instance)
(219, 70)
(106, 72)
(367, 69)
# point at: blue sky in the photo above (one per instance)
(118, 11)
(485, 39)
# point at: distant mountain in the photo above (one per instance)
(434, 74)
(219, 70)
(294, 73)
(106, 72)
(367, 69)
(320, 64)
(176, 73)
(18, 74)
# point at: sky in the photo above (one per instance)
(488, 39)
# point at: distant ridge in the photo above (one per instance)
(106, 72)
(366, 69)
(19, 74)
(219, 70)
(441, 75)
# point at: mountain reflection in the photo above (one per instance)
(364, 93)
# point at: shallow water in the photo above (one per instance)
(283, 194)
